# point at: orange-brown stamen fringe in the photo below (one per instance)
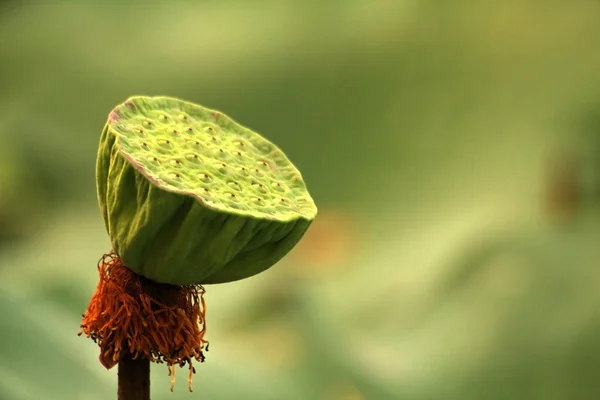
(163, 323)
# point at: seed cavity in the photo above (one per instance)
(232, 197)
(265, 147)
(235, 185)
(192, 158)
(259, 187)
(205, 178)
(166, 144)
(263, 165)
(221, 167)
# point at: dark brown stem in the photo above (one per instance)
(134, 378)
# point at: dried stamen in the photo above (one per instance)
(172, 375)
(163, 323)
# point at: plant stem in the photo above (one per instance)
(134, 378)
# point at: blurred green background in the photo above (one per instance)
(453, 149)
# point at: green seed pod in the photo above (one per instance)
(189, 196)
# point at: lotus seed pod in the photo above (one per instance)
(189, 196)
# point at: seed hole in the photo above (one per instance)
(205, 178)
(190, 129)
(175, 131)
(235, 185)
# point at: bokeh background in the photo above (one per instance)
(453, 150)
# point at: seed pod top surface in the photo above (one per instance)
(166, 165)
(189, 149)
